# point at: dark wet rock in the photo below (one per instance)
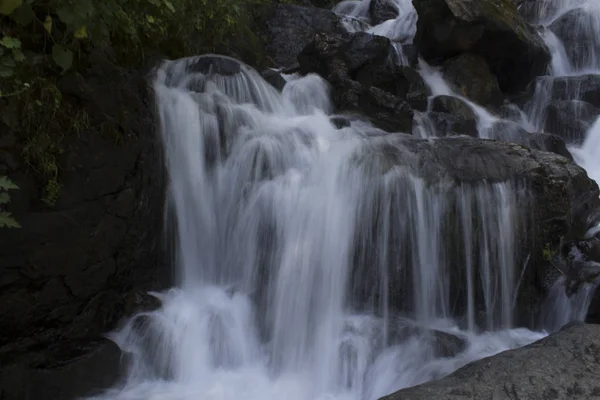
(274, 78)
(452, 105)
(340, 122)
(564, 365)
(580, 261)
(510, 112)
(471, 77)
(535, 10)
(444, 344)
(593, 315)
(574, 29)
(381, 11)
(447, 124)
(570, 119)
(556, 205)
(337, 55)
(411, 52)
(349, 63)
(323, 3)
(403, 82)
(138, 301)
(63, 371)
(290, 28)
(66, 273)
(585, 88)
(447, 344)
(385, 111)
(214, 65)
(493, 29)
(513, 132)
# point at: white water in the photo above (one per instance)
(295, 238)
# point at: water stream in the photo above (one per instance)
(310, 266)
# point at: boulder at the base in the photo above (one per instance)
(565, 365)
(471, 77)
(492, 29)
(63, 371)
(290, 28)
(570, 119)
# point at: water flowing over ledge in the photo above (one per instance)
(318, 262)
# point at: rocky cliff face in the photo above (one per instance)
(73, 270)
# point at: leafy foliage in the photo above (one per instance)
(41, 40)
(548, 253)
(6, 218)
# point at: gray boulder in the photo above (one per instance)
(63, 371)
(565, 365)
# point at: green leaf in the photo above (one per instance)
(81, 32)
(6, 72)
(4, 198)
(8, 6)
(77, 14)
(67, 14)
(48, 24)
(7, 220)
(23, 15)
(18, 55)
(169, 6)
(7, 184)
(10, 42)
(62, 56)
(7, 67)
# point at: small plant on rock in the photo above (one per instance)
(6, 218)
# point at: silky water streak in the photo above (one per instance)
(310, 266)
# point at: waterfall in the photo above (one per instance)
(312, 264)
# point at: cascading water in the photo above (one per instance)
(313, 266)
(290, 252)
